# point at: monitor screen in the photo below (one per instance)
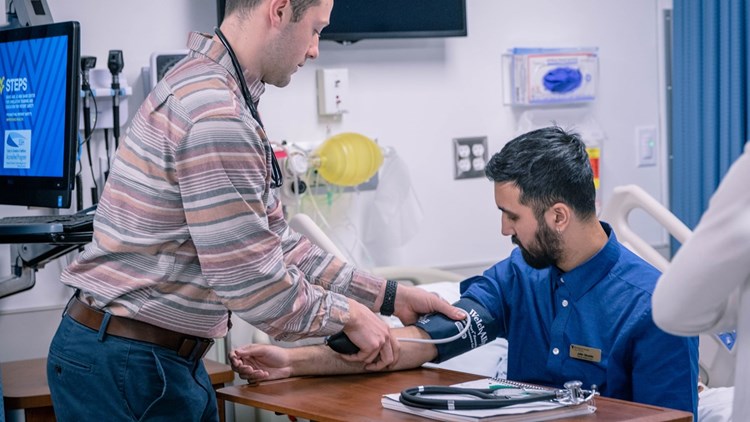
(354, 20)
(39, 91)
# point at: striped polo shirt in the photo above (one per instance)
(188, 226)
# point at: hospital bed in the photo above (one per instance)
(716, 361)
(303, 224)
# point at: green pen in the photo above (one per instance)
(500, 386)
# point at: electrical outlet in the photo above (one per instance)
(469, 157)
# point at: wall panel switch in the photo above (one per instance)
(646, 140)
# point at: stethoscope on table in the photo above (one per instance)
(493, 397)
(277, 178)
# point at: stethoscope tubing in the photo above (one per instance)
(277, 177)
(414, 397)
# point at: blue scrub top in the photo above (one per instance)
(591, 324)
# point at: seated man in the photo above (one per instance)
(573, 303)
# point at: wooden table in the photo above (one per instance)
(347, 398)
(25, 387)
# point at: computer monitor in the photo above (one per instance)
(39, 94)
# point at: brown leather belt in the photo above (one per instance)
(186, 346)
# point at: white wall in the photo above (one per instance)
(418, 95)
(414, 95)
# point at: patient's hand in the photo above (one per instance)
(261, 362)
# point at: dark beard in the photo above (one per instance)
(547, 250)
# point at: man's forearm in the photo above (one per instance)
(322, 360)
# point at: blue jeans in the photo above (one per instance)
(95, 377)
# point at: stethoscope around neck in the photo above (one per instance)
(277, 178)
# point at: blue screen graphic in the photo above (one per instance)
(32, 107)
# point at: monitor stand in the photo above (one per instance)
(26, 259)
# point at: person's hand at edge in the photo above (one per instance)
(412, 302)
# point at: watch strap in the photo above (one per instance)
(389, 299)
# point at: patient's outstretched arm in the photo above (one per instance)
(263, 362)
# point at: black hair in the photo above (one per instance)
(548, 165)
(299, 7)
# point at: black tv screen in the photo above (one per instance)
(354, 20)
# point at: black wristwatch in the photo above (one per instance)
(389, 300)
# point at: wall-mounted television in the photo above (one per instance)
(39, 90)
(354, 20)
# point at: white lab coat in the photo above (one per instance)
(706, 288)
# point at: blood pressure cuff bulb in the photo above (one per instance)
(483, 329)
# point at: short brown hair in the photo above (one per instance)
(299, 7)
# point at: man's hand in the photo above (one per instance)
(377, 348)
(261, 362)
(411, 302)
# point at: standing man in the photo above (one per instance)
(573, 303)
(190, 229)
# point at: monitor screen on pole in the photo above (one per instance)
(39, 91)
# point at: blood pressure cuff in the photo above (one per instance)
(483, 329)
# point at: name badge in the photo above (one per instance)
(585, 353)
